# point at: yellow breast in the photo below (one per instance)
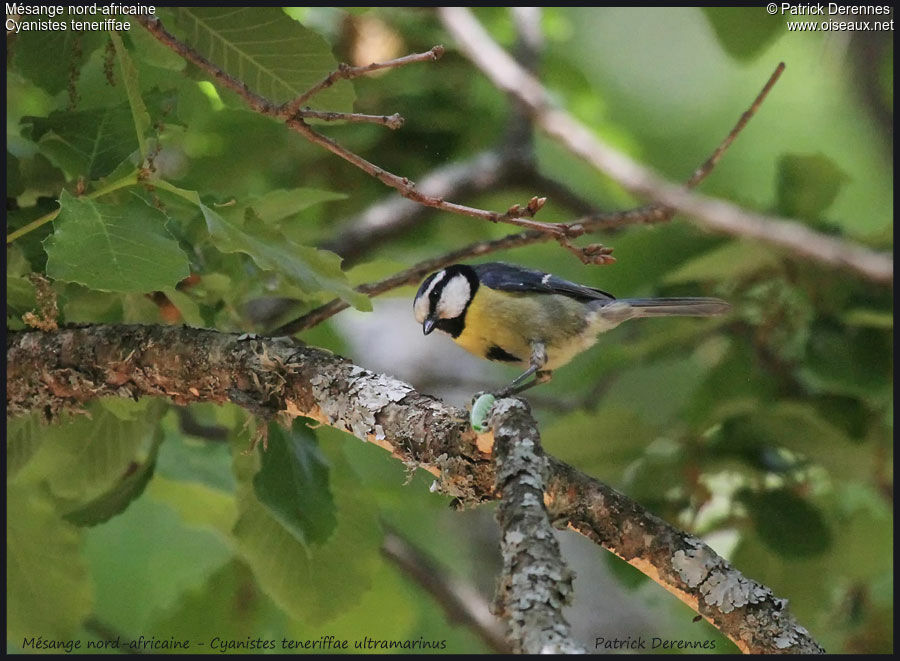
(514, 322)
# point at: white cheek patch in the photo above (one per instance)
(423, 302)
(454, 297)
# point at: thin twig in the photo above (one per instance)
(289, 113)
(392, 122)
(711, 213)
(347, 72)
(490, 170)
(703, 171)
(257, 102)
(515, 215)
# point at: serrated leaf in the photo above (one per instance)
(734, 259)
(808, 185)
(86, 143)
(313, 271)
(120, 495)
(113, 247)
(293, 483)
(48, 58)
(743, 32)
(262, 46)
(48, 590)
(788, 524)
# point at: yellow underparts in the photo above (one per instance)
(514, 322)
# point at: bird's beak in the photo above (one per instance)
(428, 325)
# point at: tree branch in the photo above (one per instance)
(535, 583)
(713, 214)
(49, 372)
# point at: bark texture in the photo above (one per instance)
(52, 371)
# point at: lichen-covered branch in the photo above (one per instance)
(535, 583)
(52, 371)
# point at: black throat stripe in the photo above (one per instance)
(496, 353)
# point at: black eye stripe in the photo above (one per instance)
(435, 295)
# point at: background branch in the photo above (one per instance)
(460, 601)
(713, 214)
(53, 371)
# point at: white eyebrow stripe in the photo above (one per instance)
(546, 279)
(437, 279)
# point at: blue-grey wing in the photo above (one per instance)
(510, 277)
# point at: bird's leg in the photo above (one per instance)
(538, 360)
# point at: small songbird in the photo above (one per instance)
(526, 317)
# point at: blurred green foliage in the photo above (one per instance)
(770, 429)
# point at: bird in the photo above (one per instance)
(523, 316)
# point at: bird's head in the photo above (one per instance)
(444, 297)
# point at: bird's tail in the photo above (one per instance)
(615, 312)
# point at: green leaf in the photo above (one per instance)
(147, 551)
(273, 54)
(187, 306)
(48, 591)
(197, 504)
(83, 457)
(850, 361)
(788, 524)
(139, 114)
(808, 185)
(278, 205)
(229, 601)
(49, 58)
(15, 184)
(113, 247)
(20, 295)
(293, 483)
(312, 583)
(120, 496)
(313, 271)
(734, 259)
(743, 32)
(22, 441)
(86, 143)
